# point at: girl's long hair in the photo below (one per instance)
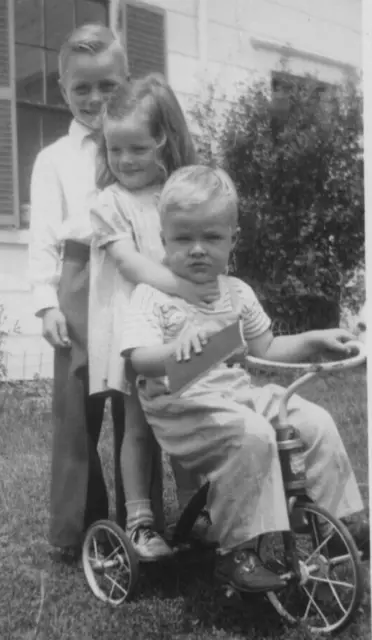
(166, 120)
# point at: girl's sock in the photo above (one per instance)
(139, 513)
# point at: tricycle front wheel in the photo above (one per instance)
(331, 587)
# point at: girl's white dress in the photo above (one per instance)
(133, 219)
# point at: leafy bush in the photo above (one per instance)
(3, 335)
(299, 174)
(353, 298)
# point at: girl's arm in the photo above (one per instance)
(138, 269)
(113, 232)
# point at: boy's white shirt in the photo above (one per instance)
(62, 187)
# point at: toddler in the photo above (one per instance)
(220, 427)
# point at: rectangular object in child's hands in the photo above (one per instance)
(219, 348)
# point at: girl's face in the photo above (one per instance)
(132, 152)
(198, 243)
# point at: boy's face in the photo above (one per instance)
(198, 243)
(88, 82)
(132, 151)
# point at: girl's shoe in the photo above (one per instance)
(149, 545)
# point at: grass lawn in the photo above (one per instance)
(172, 603)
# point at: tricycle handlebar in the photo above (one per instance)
(309, 371)
(315, 367)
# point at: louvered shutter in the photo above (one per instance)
(8, 173)
(145, 39)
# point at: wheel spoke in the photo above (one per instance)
(92, 559)
(115, 584)
(339, 583)
(322, 544)
(315, 605)
(339, 560)
(95, 547)
(112, 588)
(337, 598)
(113, 552)
(309, 604)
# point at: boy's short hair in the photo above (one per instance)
(92, 38)
(196, 185)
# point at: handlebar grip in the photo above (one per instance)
(314, 367)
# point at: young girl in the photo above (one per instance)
(145, 139)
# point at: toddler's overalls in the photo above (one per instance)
(220, 428)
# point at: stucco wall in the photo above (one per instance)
(207, 41)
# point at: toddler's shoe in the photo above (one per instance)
(201, 530)
(243, 570)
(149, 545)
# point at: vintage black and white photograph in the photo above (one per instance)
(184, 187)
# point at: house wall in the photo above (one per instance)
(228, 43)
(220, 41)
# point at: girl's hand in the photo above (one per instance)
(332, 340)
(199, 294)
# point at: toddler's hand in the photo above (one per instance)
(199, 294)
(55, 328)
(193, 340)
(333, 340)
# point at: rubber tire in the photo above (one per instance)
(353, 552)
(126, 543)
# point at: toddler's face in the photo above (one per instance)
(198, 243)
(132, 151)
(88, 82)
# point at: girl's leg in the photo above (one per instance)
(118, 420)
(138, 457)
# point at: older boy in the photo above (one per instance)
(92, 64)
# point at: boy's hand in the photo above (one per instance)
(199, 294)
(194, 339)
(55, 328)
(332, 340)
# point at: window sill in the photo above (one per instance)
(14, 236)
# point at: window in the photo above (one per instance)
(143, 28)
(282, 85)
(42, 116)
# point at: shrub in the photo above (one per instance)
(353, 298)
(300, 182)
(3, 334)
